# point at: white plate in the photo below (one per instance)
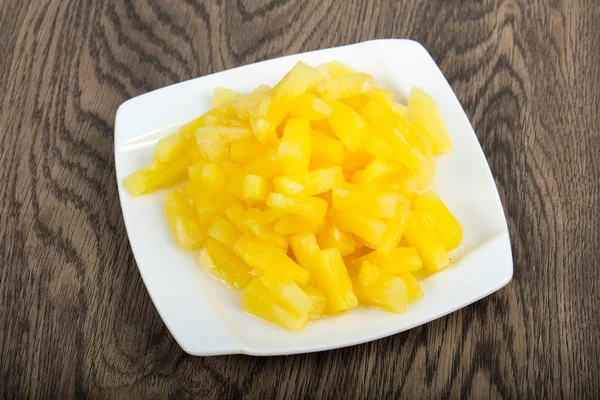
(204, 316)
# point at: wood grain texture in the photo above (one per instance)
(75, 318)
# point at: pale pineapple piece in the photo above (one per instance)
(424, 112)
(278, 300)
(332, 278)
(347, 125)
(400, 109)
(310, 107)
(318, 300)
(412, 285)
(171, 147)
(258, 223)
(420, 235)
(332, 236)
(213, 141)
(347, 86)
(368, 228)
(264, 257)
(264, 130)
(207, 187)
(337, 69)
(370, 203)
(156, 176)
(189, 233)
(375, 288)
(309, 209)
(224, 231)
(294, 149)
(309, 183)
(256, 187)
(325, 151)
(245, 150)
(221, 263)
(289, 225)
(222, 96)
(217, 120)
(445, 225)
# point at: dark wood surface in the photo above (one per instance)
(75, 318)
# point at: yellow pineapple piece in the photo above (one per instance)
(323, 126)
(223, 231)
(396, 262)
(245, 150)
(235, 214)
(400, 109)
(395, 229)
(332, 278)
(355, 161)
(446, 227)
(309, 183)
(222, 96)
(256, 187)
(264, 130)
(325, 151)
(221, 263)
(356, 102)
(268, 165)
(189, 233)
(413, 135)
(337, 69)
(289, 225)
(376, 288)
(265, 256)
(318, 300)
(258, 223)
(367, 202)
(307, 253)
(382, 96)
(347, 125)
(309, 209)
(420, 235)
(216, 120)
(156, 176)
(375, 172)
(213, 141)
(412, 285)
(347, 86)
(207, 187)
(368, 228)
(276, 299)
(331, 236)
(424, 112)
(310, 107)
(294, 149)
(171, 147)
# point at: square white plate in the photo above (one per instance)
(204, 316)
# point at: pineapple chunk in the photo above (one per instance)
(412, 285)
(377, 289)
(420, 235)
(382, 96)
(396, 262)
(337, 69)
(347, 86)
(424, 112)
(288, 225)
(257, 222)
(356, 102)
(294, 149)
(347, 125)
(221, 263)
(264, 130)
(331, 236)
(446, 227)
(216, 120)
(394, 230)
(325, 151)
(156, 176)
(310, 183)
(245, 150)
(368, 228)
(224, 231)
(400, 109)
(375, 172)
(355, 161)
(222, 96)
(206, 184)
(264, 257)
(307, 252)
(276, 299)
(235, 215)
(213, 141)
(256, 187)
(370, 203)
(267, 166)
(333, 280)
(309, 209)
(171, 147)
(310, 107)
(318, 300)
(185, 226)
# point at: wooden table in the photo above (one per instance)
(75, 318)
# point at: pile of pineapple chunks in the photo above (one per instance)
(311, 196)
